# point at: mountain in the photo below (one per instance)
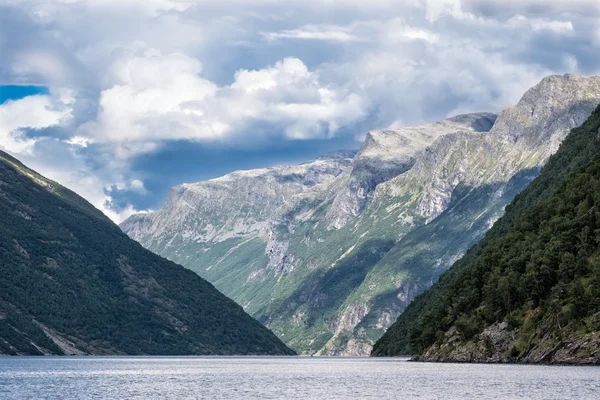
(329, 267)
(233, 206)
(71, 282)
(386, 154)
(530, 290)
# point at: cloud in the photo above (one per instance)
(508, 8)
(254, 74)
(134, 185)
(290, 96)
(312, 32)
(371, 32)
(137, 185)
(26, 129)
(154, 97)
(149, 98)
(70, 167)
(32, 112)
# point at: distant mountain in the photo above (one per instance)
(233, 206)
(72, 283)
(330, 258)
(386, 154)
(530, 290)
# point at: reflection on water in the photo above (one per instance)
(284, 378)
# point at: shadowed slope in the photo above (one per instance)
(72, 283)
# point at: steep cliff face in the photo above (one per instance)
(445, 208)
(329, 267)
(500, 343)
(548, 111)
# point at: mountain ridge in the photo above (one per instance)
(359, 223)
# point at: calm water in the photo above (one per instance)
(284, 378)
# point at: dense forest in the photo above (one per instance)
(537, 270)
(72, 283)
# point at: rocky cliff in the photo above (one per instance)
(235, 205)
(499, 343)
(386, 154)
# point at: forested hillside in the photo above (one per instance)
(530, 290)
(72, 283)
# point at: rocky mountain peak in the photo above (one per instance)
(388, 153)
(547, 111)
(137, 225)
(389, 144)
(338, 155)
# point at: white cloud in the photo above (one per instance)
(62, 163)
(415, 34)
(137, 186)
(151, 98)
(314, 32)
(122, 214)
(371, 32)
(156, 97)
(151, 6)
(437, 8)
(32, 112)
(20, 123)
(589, 8)
(390, 32)
(538, 24)
(78, 141)
(291, 97)
(134, 185)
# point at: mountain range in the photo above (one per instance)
(327, 254)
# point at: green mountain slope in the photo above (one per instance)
(530, 290)
(72, 283)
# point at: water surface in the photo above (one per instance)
(285, 378)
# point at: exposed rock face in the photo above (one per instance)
(492, 345)
(499, 344)
(138, 225)
(546, 113)
(235, 205)
(386, 154)
(328, 259)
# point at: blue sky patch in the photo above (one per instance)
(16, 92)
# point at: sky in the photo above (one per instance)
(121, 99)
